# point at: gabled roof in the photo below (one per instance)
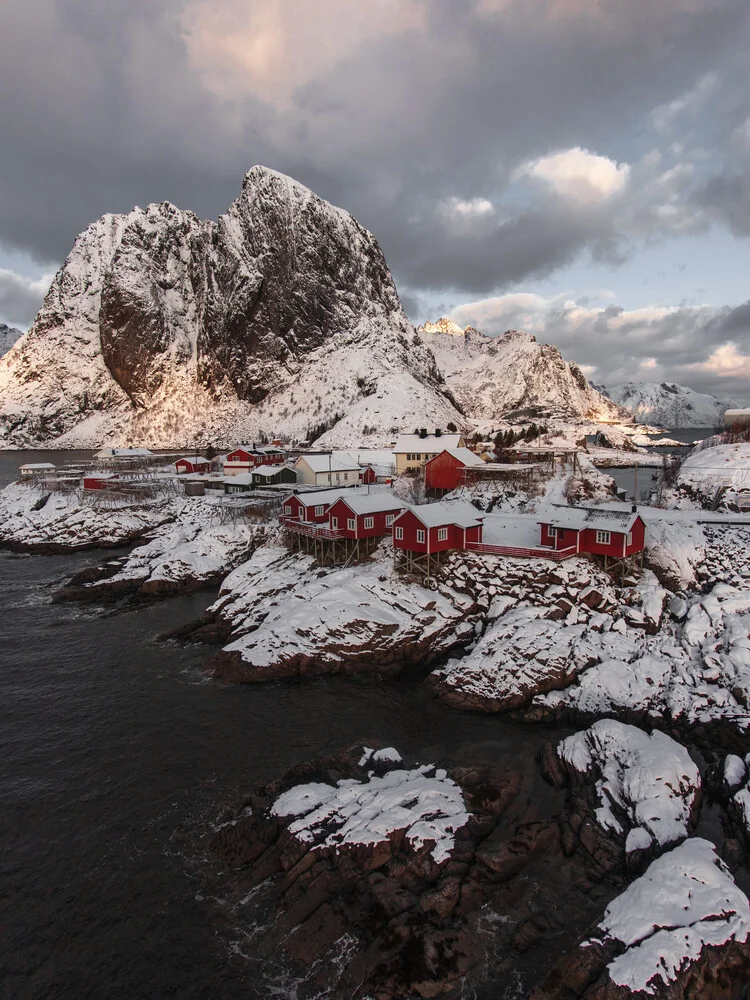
(123, 453)
(194, 459)
(372, 503)
(316, 497)
(337, 461)
(464, 455)
(430, 445)
(458, 512)
(600, 518)
(270, 470)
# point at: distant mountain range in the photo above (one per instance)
(163, 329)
(667, 404)
(8, 336)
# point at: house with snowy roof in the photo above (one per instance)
(31, 470)
(613, 533)
(334, 468)
(274, 475)
(191, 464)
(411, 451)
(447, 470)
(365, 515)
(424, 533)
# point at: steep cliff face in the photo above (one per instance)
(513, 375)
(667, 404)
(164, 328)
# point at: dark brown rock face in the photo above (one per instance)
(410, 923)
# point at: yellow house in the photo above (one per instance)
(412, 451)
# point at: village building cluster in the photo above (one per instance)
(339, 505)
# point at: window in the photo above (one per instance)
(603, 537)
(369, 522)
(420, 535)
(400, 534)
(288, 509)
(629, 539)
(389, 518)
(319, 511)
(552, 532)
(334, 522)
(351, 524)
(442, 534)
(338, 477)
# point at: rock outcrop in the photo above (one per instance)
(513, 376)
(667, 404)
(161, 326)
(680, 930)
(631, 794)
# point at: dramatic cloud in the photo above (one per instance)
(487, 143)
(702, 346)
(20, 297)
(578, 174)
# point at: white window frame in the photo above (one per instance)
(351, 524)
(421, 536)
(400, 534)
(369, 522)
(319, 510)
(603, 537)
(389, 519)
(287, 508)
(334, 522)
(442, 534)
(552, 531)
(629, 539)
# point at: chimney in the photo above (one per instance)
(634, 507)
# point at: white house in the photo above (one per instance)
(107, 455)
(337, 468)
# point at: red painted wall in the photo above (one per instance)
(183, 466)
(588, 543)
(455, 540)
(305, 509)
(367, 476)
(566, 537)
(97, 483)
(343, 512)
(442, 472)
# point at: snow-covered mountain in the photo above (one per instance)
(8, 336)
(667, 404)
(513, 376)
(164, 329)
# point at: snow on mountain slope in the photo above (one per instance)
(8, 336)
(494, 377)
(162, 328)
(667, 404)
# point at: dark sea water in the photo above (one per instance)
(116, 755)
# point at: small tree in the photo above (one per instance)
(452, 428)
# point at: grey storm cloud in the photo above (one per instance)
(401, 111)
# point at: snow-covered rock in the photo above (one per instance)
(680, 930)
(423, 805)
(162, 327)
(512, 375)
(644, 789)
(289, 618)
(35, 520)
(718, 475)
(667, 404)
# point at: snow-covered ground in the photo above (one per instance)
(290, 617)
(707, 472)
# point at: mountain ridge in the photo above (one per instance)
(668, 404)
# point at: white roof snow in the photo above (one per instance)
(38, 466)
(337, 461)
(463, 455)
(369, 503)
(316, 497)
(241, 479)
(123, 453)
(267, 470)
(430, 445)
(459, 512)
(194, 459)
(578, 518)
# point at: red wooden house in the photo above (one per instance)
(270, 455)
(365, 515)
(445, 471)
(311, 507)
(422, 533)
(242, 459)
(604, 531)
(192, 464)
(367, 475)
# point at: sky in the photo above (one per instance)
(576, 168)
